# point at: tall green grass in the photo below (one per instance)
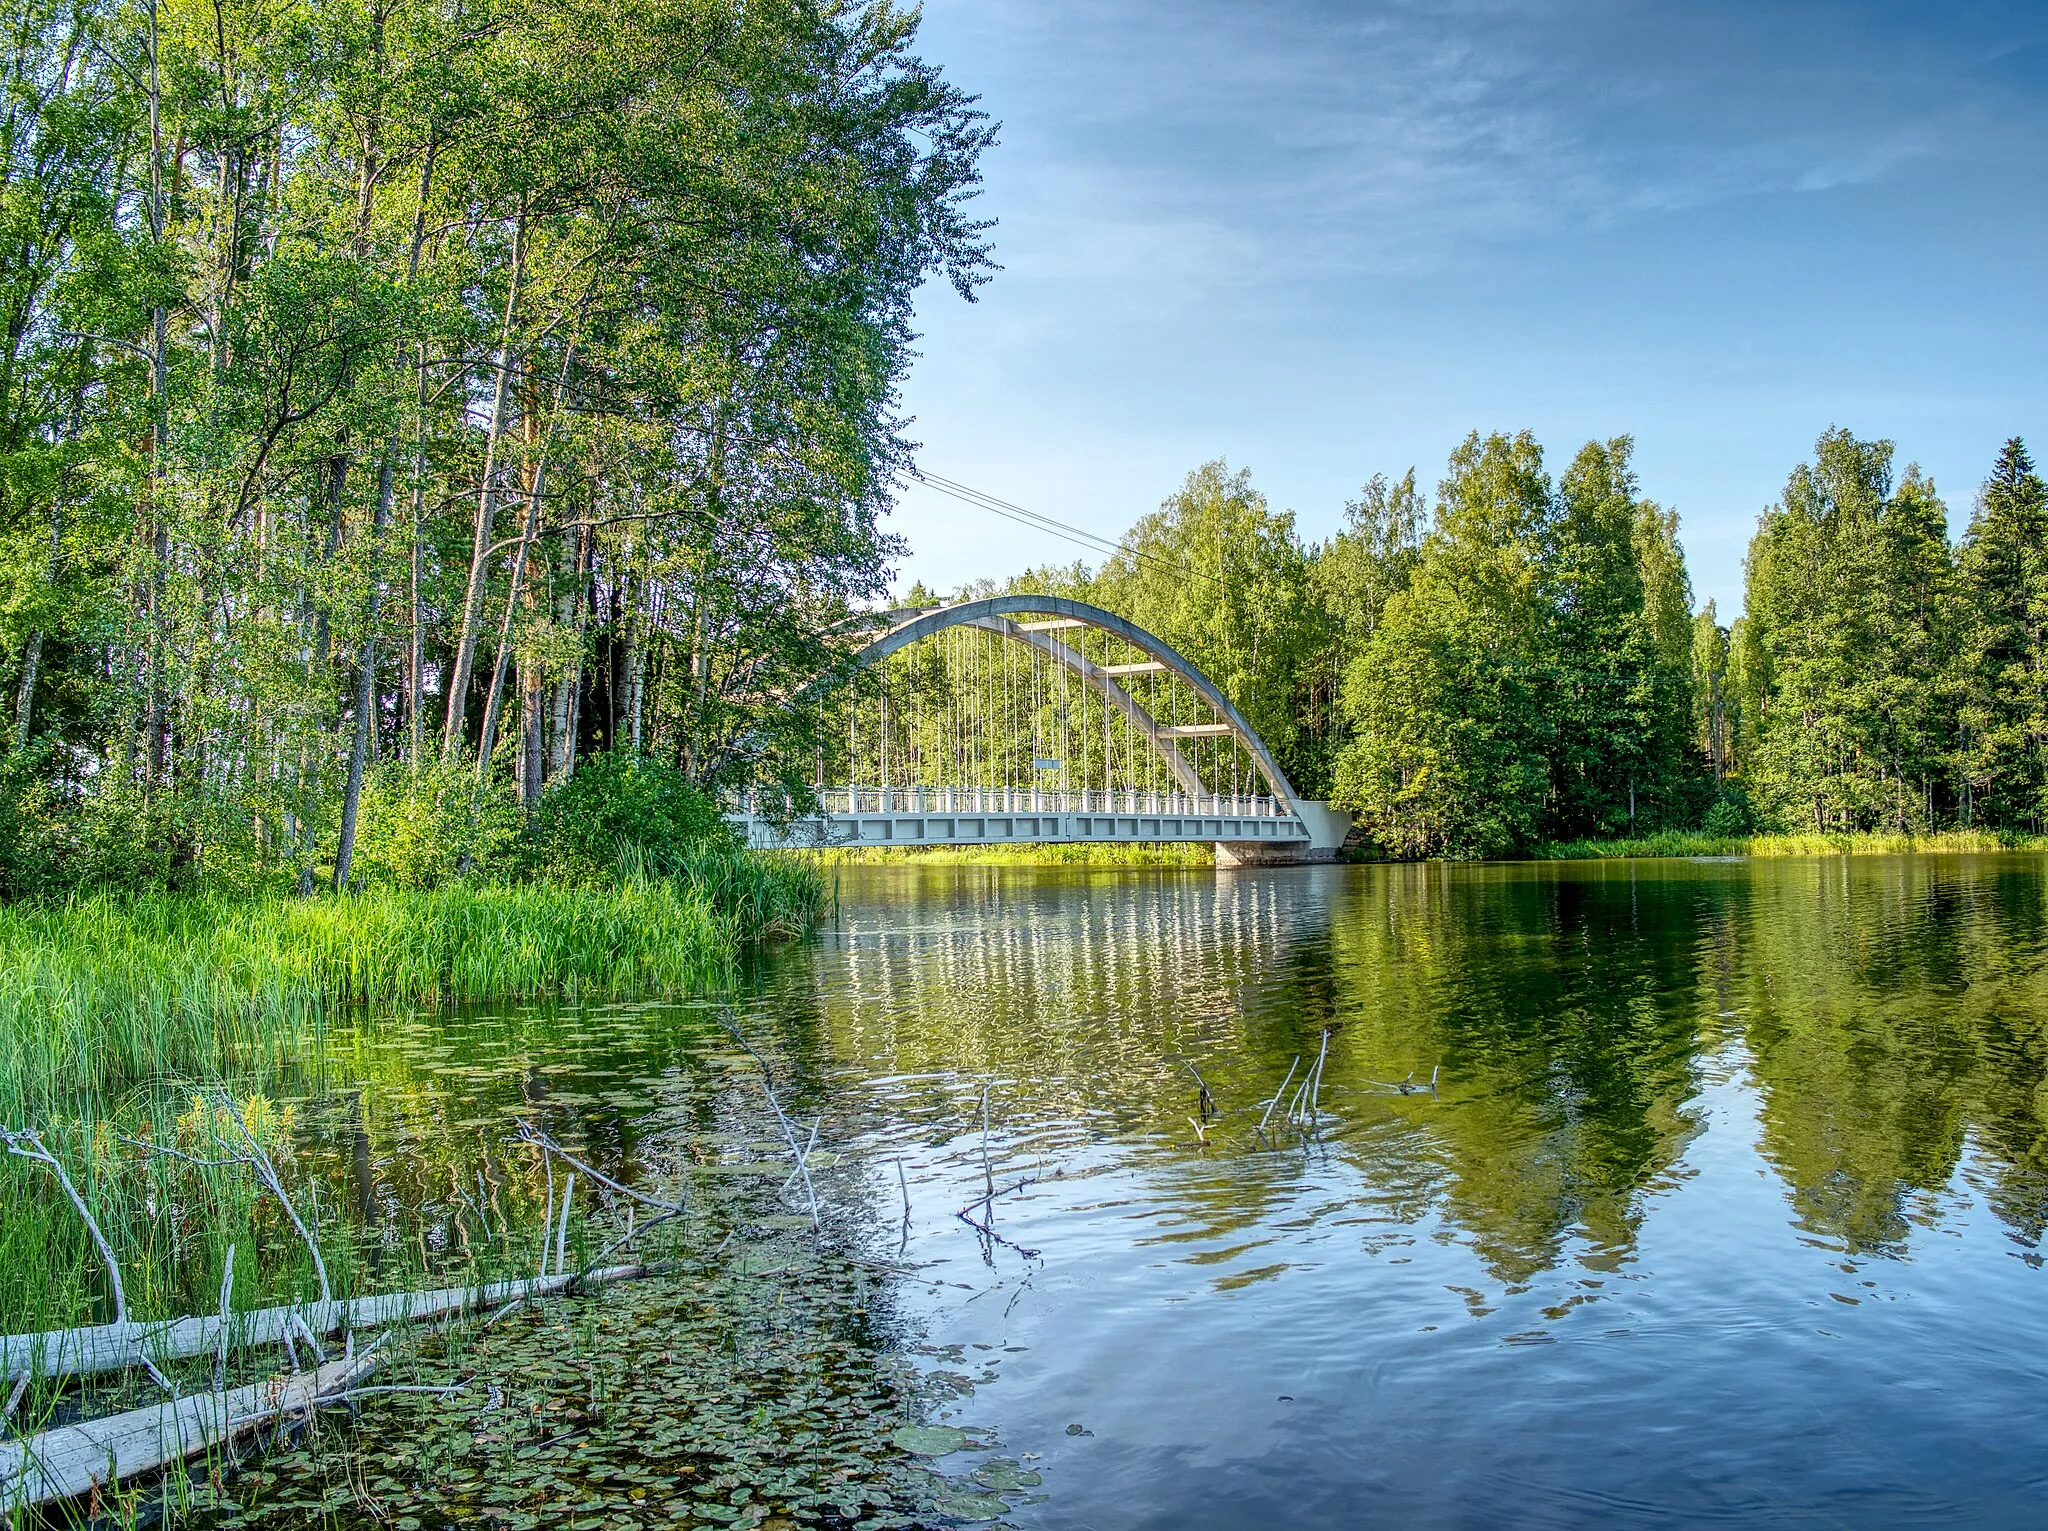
(116, 1011)
(1689, 843)
(100, 992)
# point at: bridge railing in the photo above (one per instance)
(922, 800)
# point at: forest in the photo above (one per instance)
(1517, 661)
(401, 403)
(439, 439)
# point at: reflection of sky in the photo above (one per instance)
(1711, 1220)
(1326, 240)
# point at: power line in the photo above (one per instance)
(1038, 521)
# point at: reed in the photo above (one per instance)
(102, 992)
(119, 1014)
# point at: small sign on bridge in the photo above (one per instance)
(1047, 763)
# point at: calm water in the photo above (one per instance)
(1726, 1206)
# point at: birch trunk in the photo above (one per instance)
(366, 682)
(479, 555)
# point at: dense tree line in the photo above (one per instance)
(1518, 661)
(399, 401)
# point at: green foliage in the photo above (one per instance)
(1849, 625)
(1531, 677)
(270, 511)
(1224, 578)
(423, 829)
(619, 815)
(1707, 842)
(2002, 589)
(1731, 812)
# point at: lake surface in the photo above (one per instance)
(1726, 1205)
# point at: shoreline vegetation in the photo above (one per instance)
(1680, 844)
(103, 991)
(140, 1032)
(1675, 844)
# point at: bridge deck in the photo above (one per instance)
(946, 816)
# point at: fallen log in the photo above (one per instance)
(115, 1347)
(75, 1459)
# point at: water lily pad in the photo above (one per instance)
(928, 1440)
(973, 1507)
(1002, 1475)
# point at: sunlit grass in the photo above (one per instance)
(1687, 843)
(116, 1012)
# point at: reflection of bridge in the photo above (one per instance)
(1037, 719)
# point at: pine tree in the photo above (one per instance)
(2002, 666)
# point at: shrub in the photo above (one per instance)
(620, 816)
(421, 829)
(1732, 814)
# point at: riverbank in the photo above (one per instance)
(1688, 843)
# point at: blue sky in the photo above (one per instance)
(1326, 240)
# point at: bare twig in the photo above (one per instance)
(259, 1160)
(562, 1237)
(632, 1233)
(1315, 1093)
(788, 1132)
(987, 1197)
(808, 1146)
(988, 1174)
(531, 1134)
(1279, 1092)
(177, 1153)
(1208, 1101)
(28, 1144)
(988, 1232)
(227, 1292)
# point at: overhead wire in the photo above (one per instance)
(1038, 521)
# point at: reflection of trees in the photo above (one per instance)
(1559, 1006)
(1889, 1011)
(1895, 1022)
(1562, 1016)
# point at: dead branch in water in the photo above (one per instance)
(788, 1132)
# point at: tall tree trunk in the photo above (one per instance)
(487, 738)
(532, 756)
(366, 678)
(636, 661)
(568, 691)
(480, 545)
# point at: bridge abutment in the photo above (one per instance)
(1327, 828)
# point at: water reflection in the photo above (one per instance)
(1726, 1205)
(1718, 1151)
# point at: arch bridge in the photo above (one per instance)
(1036, 719)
